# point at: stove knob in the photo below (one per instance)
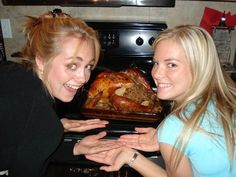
(151, 40)
(139, 41)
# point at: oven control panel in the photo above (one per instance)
(109, 39)
(128, 42)
(127, 38)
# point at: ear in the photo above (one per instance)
(39, 63)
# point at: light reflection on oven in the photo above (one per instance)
(86, 171)
(95, 172)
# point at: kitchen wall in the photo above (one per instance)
(184, 12)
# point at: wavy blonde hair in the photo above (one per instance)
(210, 82)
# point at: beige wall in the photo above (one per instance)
(184, 12)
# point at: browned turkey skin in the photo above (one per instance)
(126, 91)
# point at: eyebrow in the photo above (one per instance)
(80, 59)
(167, 59)
(74, 58)
(171, 59)
(92, 61)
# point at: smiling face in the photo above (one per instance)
(69, 70)
(171, 72)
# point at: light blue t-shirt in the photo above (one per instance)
(207, 154)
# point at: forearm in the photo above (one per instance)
(147, 168)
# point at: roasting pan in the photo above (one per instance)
(118, 115)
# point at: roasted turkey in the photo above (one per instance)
(126, 91)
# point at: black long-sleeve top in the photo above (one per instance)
(30, 130)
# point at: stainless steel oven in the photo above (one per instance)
(124, 44)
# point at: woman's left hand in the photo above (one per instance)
(145, 139)
(82, 125)
(95, 144)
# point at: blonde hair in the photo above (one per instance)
(45, 35)
(209, 82)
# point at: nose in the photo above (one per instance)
(157, 72)
(82, 76)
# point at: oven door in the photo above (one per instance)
(77, 166)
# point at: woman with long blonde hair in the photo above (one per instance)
(198, 137)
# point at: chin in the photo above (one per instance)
(163, 97)
(65, 99)
(68, 100)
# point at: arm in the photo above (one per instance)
(145, 139)
(82, 125)
(184, 168)
(147, 168)
(167, 140)
(116, 158)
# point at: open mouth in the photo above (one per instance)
(162, 85)
(71, 88)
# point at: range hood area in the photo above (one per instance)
(93, 3)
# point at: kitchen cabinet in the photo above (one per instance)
(107, 3)
(30, 2)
